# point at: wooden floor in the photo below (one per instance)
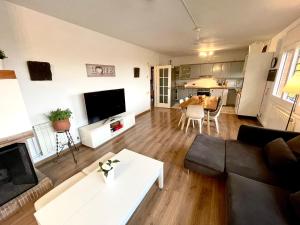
(187, 199)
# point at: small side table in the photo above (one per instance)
(60, 146)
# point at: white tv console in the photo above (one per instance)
(96, 134)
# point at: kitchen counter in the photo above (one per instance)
(219, 87)
(228, 93)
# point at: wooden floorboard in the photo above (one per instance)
(187, 199)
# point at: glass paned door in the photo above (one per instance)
(163, 86)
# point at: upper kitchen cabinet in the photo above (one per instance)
(221, 70)
(226, 69)
(195, 71)
(206, 69)
(236, 69)
(185, 72)
(218, 70)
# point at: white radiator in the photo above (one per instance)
(45, 139)
(277, 119)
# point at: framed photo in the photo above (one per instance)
(98, 70)
(136, 72)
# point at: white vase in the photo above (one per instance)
(1, 64)
(110, 176)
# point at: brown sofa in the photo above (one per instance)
(256, 194)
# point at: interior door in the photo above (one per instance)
(163, 86)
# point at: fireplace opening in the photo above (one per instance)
(17, 174)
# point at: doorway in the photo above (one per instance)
(162, 86)
(152, 86)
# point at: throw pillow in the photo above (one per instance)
(295, 203)
(294, 145)
(279, 155)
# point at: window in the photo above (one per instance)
(286, 70)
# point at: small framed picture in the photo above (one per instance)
(98, 70)
(136, 72)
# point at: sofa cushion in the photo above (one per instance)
(248, 161)
(206, 155)
(294, 145)
(279, 156)
(295, 203)
(252, 202)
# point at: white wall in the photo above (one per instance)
(219, 56)
(13, 114)
(286, 39)
(164, 59)
(29, 35)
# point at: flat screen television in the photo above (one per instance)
(104, 104)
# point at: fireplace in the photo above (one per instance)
(17, 174)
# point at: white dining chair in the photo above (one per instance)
(183, 111)
(213, 116)
(195, 113)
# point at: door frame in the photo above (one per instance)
(156, 86)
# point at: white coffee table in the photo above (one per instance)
(93, 202)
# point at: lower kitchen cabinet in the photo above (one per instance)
(231, 97)
(220, 93)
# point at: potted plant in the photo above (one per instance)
(2, 56)
(107, 170)
(60, 119)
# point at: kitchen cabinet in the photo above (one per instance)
(231, 99)
(236, 69)
(185, 72)
(195, 71)
(221, 70)
(220, 93)
(256, 72)
(226, 70)
(206, 69)
(217, 70)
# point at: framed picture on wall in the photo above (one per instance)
(136, 72)
(98, 70)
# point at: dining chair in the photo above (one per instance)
(194, 113)
(214, 115)
(183, 112)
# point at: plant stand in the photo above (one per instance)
(60, 146)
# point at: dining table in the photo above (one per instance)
(209, 103)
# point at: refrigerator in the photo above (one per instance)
(255, 73)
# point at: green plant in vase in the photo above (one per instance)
(60, 119)
(107, 169)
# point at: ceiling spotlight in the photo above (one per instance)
(203, 54)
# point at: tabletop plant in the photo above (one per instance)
(107, 166)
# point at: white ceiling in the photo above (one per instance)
(164, 25)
